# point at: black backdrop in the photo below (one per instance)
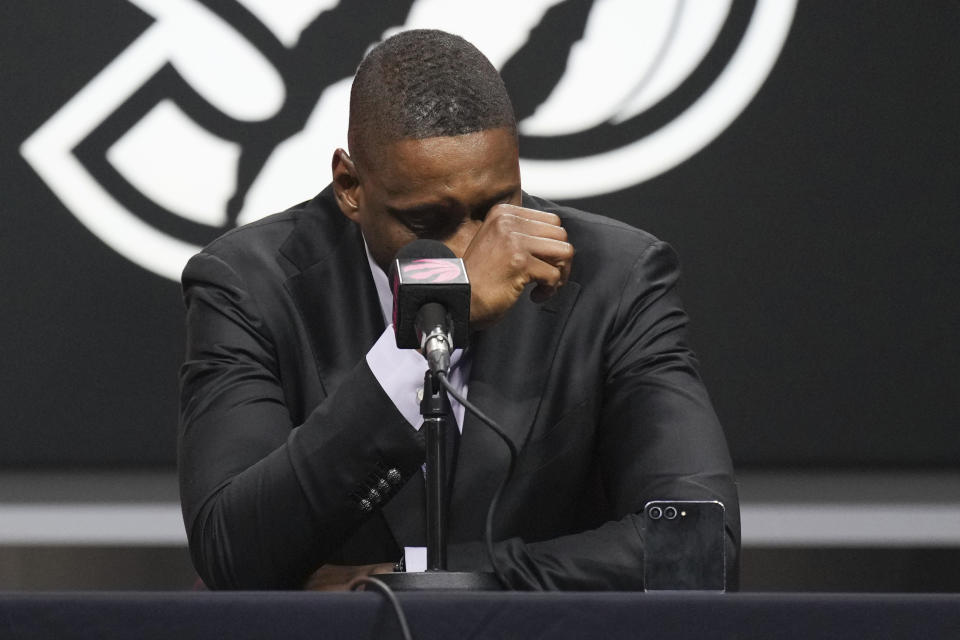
(819, 234)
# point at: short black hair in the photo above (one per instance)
(424, 83)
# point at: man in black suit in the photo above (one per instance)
(300, 462)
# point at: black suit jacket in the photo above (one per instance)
(284, 430)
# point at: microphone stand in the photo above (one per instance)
(435, 409)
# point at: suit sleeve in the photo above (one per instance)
(266, 501)
(658, 438)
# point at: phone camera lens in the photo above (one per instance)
(670, 513)
(655, 513)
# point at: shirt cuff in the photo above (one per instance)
(415, 559)
(400, 374)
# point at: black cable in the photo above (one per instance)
(488, 529)
(391, 597)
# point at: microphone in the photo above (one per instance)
(431, 301)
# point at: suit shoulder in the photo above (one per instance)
(590, 232)
(270, 230)
(302, 233)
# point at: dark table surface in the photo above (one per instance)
(528, 616)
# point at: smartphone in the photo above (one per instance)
(684, 545)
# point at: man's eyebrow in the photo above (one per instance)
(430, 207)
(426, 207)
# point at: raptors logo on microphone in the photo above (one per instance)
(433, 270)
(222, 112)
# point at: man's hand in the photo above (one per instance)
(514, 247)
(337, 577)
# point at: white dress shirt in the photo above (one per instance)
(400, 371)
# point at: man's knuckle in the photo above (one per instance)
(503, 223)
(518, 260)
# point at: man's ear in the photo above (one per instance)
(346, 184)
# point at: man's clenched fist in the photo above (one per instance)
(514, 247)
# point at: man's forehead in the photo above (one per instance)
(423, 159)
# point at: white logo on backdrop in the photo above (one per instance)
(249, 123)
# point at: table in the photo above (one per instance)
(435, 615)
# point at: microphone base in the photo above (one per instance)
(441, 581)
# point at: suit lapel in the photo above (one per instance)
(337, 299)
(333, 290)
(511, 365)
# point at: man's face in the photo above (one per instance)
(437, 188)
